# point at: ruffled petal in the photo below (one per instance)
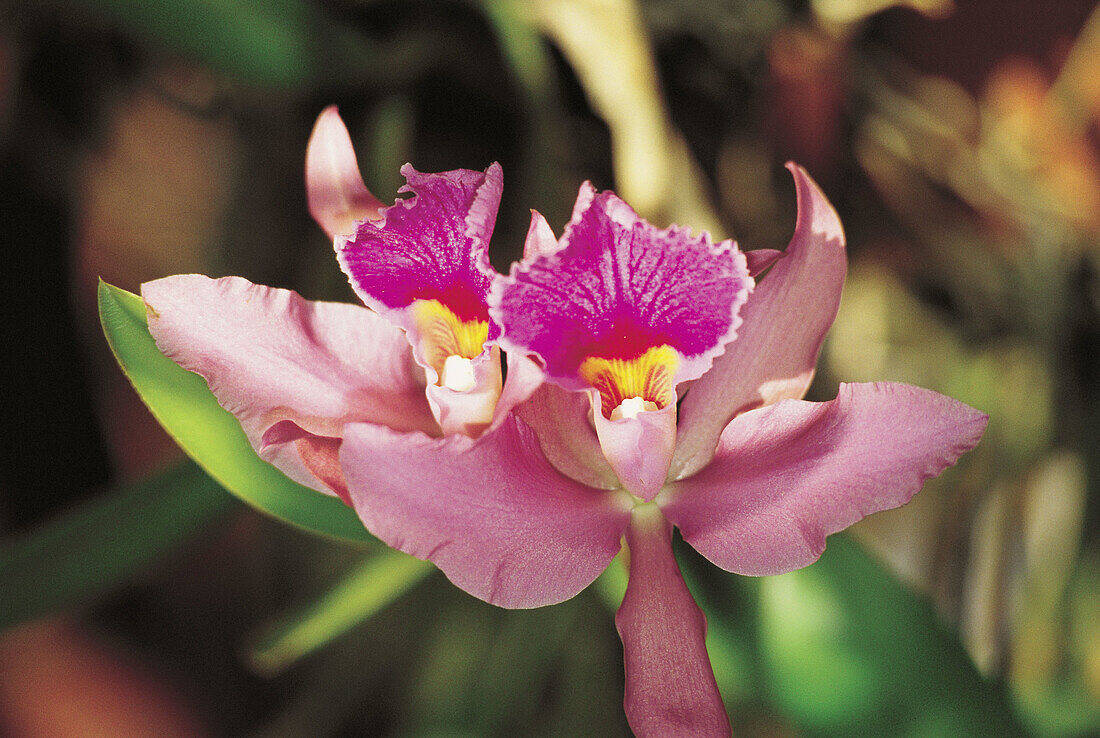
(617, 287)
(787, 475)
(670, 686)
(785, 322)
(292, 371)
(425, 266)
(492, 514)
(430, 247)
(337, 197)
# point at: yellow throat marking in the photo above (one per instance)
(648, 377)
(443, 334)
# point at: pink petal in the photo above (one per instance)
(670, 686)
(292, 371)
(540, 238)
(760, 259)
(493, 514)
(482, 215)
(639, 449)
(335, 190)
(523, 378)
(784, 324)
(787, 475)
(304, 457)
(469, 411)
(483, 408)
(560, 420)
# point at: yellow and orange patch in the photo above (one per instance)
(649, 377)
(444, 334)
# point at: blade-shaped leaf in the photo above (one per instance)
(369, 587)
(183, 404)
(96, 547)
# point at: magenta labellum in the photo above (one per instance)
(424, 265)
(617, 288)
(628, 312)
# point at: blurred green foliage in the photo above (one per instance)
(374, 583)
(847, 649)
(88, 552)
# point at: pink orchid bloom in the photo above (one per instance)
(674, 399)
(420, 357)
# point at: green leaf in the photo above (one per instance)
(851, 650)
(371, 586)
(96, 547)
(611, 584)
(282, 43)
(183, 404)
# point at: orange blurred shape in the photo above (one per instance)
(57, 681)
(151, 202)
(1055, 152)
(806, 91)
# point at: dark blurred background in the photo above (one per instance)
(959, 142)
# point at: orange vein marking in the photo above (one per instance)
(649, 377)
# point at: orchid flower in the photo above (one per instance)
(673, 399)
(420, 357)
